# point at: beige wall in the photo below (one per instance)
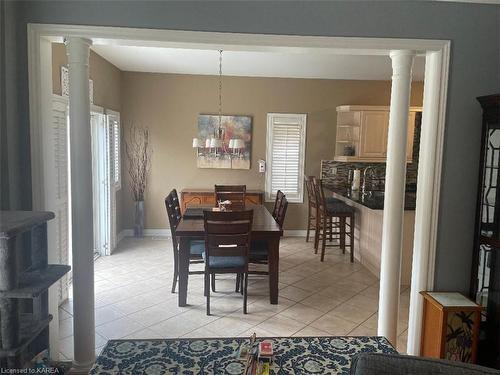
(169, 105)
(107, 89)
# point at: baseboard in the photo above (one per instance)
(166, 233)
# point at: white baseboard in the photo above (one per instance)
(166, 233)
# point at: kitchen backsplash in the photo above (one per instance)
(336, 173)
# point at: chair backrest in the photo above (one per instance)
(311, 195)
(173, 207)
(234, 193)
(280, 217)
(277, 203)
(319, 193)
(227, 233)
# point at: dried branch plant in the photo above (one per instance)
(138, 151)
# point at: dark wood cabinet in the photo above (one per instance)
(485, 279)
(190, 197)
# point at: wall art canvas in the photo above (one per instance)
(225, 145)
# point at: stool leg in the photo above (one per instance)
(342, 234)
(323, 236)
(316, 231)
(351, 235)
(308, 222)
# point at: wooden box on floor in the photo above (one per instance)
(450, 327)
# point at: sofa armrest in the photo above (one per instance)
(393, 364)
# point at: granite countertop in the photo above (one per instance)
(373, 200)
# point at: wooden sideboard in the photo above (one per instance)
(207, 196)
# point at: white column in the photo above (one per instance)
(78, 50)
(392, 232)
(429, 136)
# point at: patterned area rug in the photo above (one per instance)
(294, 355)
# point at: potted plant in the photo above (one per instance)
(138, 151)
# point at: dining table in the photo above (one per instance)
(264, 228)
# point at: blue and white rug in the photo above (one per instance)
(294, 355)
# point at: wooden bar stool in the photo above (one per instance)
(326, 228)
(312, 210)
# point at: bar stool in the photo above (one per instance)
(327, 228)
(311, 206)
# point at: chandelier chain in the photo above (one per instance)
(220, 88)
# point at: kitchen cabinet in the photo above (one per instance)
(362, 133)
(190, 197)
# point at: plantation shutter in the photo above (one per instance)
(60, 196)
(285, 155)
(113, 119)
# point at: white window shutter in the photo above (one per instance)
(286, 134)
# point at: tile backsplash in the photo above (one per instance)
(336, 173)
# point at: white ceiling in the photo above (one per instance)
(252, 63)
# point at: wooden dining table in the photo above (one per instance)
(264, 228)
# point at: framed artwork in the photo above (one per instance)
(226, 145)
(65, 85)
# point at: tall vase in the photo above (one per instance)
(139, 219)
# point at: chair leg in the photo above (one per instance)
(207, 291)
(351, 235)
(342, 234)
(245, 288)
(323, 236)
(213, 282)
(241, 283)
(237, 289)
(176, 270)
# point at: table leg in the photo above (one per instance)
(183, 270)
(274, 258)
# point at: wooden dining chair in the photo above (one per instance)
(312, 209)
(327, 228)
(259, 253)
(227, 244)
(234, 193)
(196, 246)
(277, 203)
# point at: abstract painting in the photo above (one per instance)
(227, 144)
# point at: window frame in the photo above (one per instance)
(301, 118)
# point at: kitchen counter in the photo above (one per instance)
(373, 200)
(368, 227)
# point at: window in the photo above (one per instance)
(285, 145)
(114, 130)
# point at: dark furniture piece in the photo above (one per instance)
(485, 277)
(264, 228)
(227, 247)
(326, 228)
(277, 203)
(233, 193)
(25, 277)
(393, 364)
(196, 197)
(196, 246)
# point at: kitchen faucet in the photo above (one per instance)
(365, 175)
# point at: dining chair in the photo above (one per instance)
(258, 249)
(196, 246)
(326, 228)
(227, 246)
(234, 193)
(277, 203)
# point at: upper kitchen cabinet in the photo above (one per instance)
(362, 133)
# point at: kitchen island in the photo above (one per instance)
(368, 228)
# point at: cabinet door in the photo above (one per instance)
(374, 125)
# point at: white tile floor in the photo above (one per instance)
(133, 298)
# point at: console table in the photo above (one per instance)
(207, 197)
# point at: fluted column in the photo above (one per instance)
(392, 232)
(78, 50)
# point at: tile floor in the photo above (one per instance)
(133, 298)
